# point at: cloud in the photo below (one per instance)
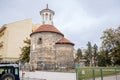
(79, 20)
(100, 8)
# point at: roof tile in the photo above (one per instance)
(64, 41)
(47, 28)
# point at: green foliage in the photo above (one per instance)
(95, 51)
(89, 50)
(111, 45)
(91, 55)
(88, 54)
(103, 58)
(109, 53)
(95, 55)
(78, 55)
(25, 51)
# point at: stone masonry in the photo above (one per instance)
(49, 48)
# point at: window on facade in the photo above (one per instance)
(39, 41)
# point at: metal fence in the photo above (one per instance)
(98, 73)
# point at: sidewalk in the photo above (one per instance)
(42, 75)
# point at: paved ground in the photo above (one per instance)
(42, 75)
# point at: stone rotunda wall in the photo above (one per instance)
(64, 56)
(43, 54)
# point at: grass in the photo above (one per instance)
(87, 72)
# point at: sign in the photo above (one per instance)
(22, 63)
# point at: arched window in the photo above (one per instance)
(39, 41)
(46, 15)
(43, 16)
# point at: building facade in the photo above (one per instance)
(49, 48)
(11, 39)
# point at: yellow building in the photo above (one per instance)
(11, 38)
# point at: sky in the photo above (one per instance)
(79, 20)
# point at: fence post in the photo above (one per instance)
(93, 73)
(76, 69)
(116, 73)
(101, 74)
(76, 74)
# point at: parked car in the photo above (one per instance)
(9, 71)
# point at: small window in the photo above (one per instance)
(39, 41)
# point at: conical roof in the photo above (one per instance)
(47, 28)
(64, 41)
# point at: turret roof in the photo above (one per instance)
(47, 28)
(64, 41)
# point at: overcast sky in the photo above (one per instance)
(79, 20)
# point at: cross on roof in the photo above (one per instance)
(46, 6)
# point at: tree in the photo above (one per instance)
(25, 51)
(88, 54)
(95, 54)
(79, 54)
(111, 45)
(95, 50)
(103, 59)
